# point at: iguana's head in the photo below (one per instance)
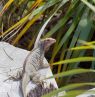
(47, 42)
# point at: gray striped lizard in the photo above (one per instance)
(34, 62)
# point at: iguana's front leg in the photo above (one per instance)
(38, 78)
(45, 63)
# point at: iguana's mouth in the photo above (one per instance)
(53, 40)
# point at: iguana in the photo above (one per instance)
(34, 62)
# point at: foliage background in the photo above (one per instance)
(70, 22)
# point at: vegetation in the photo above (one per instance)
(70, 22)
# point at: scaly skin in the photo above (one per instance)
(34, 62)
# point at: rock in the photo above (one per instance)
(11, 61)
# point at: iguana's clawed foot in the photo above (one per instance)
(16, 77)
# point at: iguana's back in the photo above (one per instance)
(34, 60)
